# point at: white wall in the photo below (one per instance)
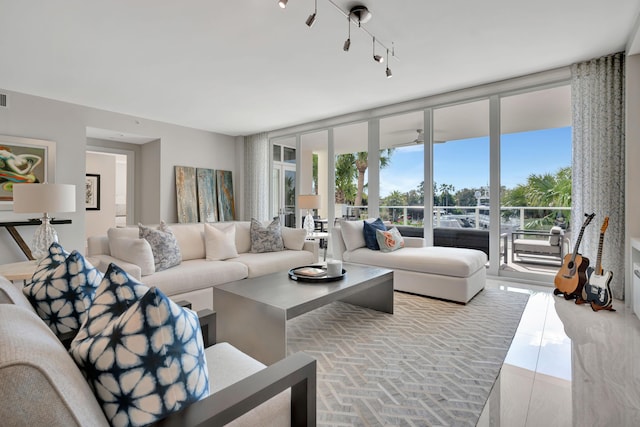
(98, 222)
(34, 117)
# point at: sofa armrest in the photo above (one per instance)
(297, 372)
(311, 246)
(413, 242)
(104, 261)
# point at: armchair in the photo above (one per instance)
(539, 244)
(43, 386)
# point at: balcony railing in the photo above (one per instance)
(512, 217)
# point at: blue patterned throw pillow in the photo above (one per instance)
(266, 239)
(369, 230)
(147, 362)
(114, 295)
(166, 252)
(55, 255)
(62, 293)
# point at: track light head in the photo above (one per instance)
(311, 20)
(378, 58)
(283, 3)
(347, 45)
(388, 72)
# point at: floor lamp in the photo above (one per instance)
(309, 202)
(45, 198)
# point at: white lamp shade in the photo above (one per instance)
(308, 201)
(36, 198)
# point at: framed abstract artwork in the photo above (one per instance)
(186, 197)
(226, 203)
(207, 201)
(24, 160)
(92, 192)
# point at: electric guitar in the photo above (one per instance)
(597, 290)
(572, 276)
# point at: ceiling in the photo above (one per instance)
(241, 67)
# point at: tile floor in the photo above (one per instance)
(567, 366)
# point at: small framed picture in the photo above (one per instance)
(92, 201)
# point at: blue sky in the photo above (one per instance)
(465, 163)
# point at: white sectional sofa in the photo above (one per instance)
(454, 274)
(193, 279)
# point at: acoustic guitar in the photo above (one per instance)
(572, 276)
(597, 291)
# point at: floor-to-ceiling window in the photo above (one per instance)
(461, 166)
(465, 159)
(351, 171)
(535, 177)
(283, 181)
(402, 148)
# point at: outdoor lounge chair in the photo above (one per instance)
(543, 246)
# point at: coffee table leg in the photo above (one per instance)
(254, 328)
(378, 296)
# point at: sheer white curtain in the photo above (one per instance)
(256, 172)
(597, 95)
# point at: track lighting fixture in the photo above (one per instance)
(347, 42)
(358, 14)
(376, 58)
(388, 71)
(312, 18)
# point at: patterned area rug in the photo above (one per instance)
(431, 363)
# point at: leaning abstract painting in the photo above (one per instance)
(207, 203)
(186, 194)
(226, 204)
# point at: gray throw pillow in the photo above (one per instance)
(266, 239)
(166, 252)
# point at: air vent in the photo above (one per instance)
(4, 100)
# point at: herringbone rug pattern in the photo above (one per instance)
(431, 363)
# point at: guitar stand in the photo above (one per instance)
(567, 296)
(596, 307)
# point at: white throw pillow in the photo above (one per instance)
(293, 238)
(220, 242)
(135, 251)
(353, 235)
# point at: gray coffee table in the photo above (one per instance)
(252, 313)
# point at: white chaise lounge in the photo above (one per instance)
(454, 274)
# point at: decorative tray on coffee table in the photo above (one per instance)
(314, 274)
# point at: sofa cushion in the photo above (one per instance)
(228, 365)
(135, 251)
(456, 262)
(293, 238)
(369, 231)
(220, 243)
(147, 363)
(166, 252)
(197, 274)
(190, 238)
(389, 240)
(41, 384)
(266, 238)
(272, 262)
(62, 297)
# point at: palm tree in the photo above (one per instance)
(362, 163)
(345, 175)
